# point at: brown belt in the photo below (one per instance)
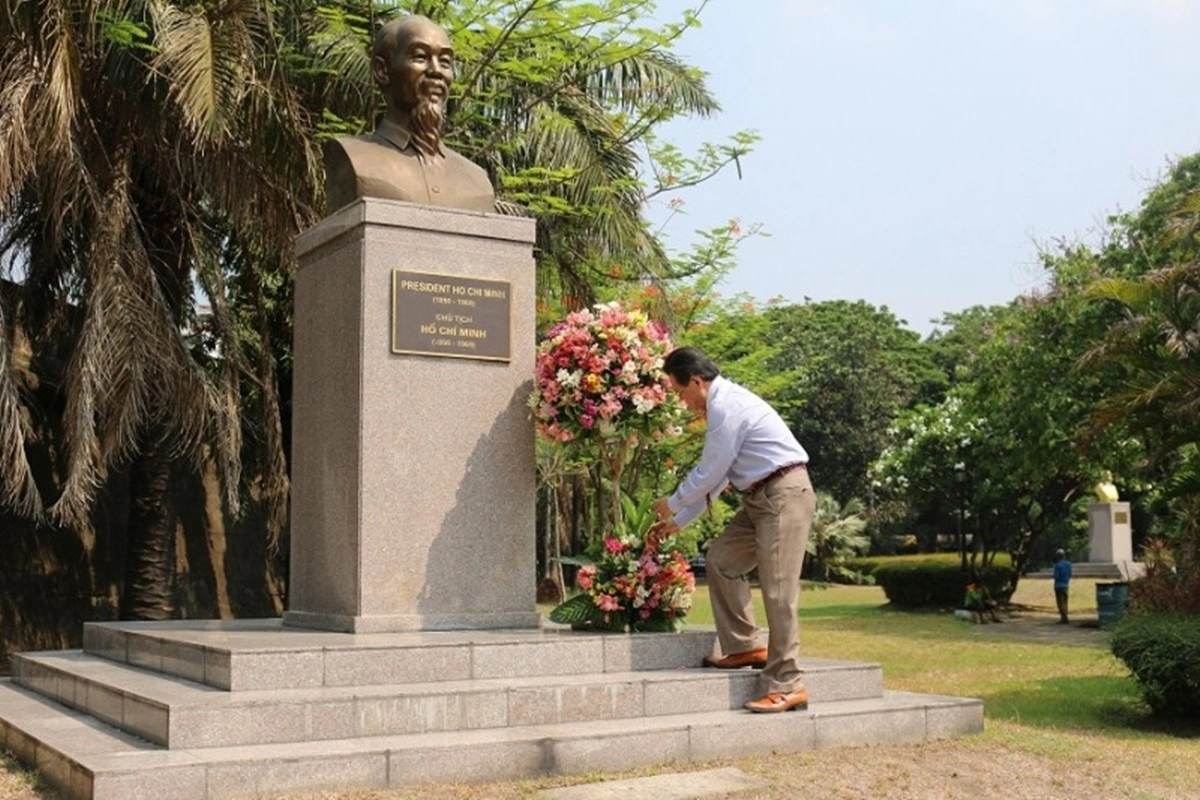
(779, 473)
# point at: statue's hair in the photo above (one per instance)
(391, 32)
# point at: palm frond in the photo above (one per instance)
(203, 50)
(17, 486)
(655, 80)
(62, 70)
(18, 78)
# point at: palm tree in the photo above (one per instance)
(152, 151)
(140, 141)
(838, 533)
(1156, 339)
(1155, 345)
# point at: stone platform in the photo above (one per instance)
(1099, 570)
(241, 708)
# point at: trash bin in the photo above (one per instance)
(1110, 602)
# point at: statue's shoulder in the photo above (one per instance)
(350, 146)
(352, 164)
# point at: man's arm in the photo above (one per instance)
(708, 478)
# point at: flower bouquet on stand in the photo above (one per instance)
(600, 394)
(631, 582)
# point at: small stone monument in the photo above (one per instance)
(1110, 532)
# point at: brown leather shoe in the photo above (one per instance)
(796, 699)
(751, 658)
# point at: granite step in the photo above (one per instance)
(87, 759)
(178, 713)
(251, 654)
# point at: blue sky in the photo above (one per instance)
(917, 153)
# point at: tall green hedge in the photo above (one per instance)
(867, 564)
(1163, 653)
(912, 584)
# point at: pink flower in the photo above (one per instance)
(607, 602)
(583, 578)
(587, 420)
(610, 406)
(614, 545)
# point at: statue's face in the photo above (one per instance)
(419, 68)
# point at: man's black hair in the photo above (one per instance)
(686, 363)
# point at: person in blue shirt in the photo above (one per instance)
(1062, 584)
(746, 444)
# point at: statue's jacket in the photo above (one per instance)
(386, 164)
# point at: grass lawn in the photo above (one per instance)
(1063, 719)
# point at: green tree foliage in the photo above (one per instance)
(1010, 448)
(956, 344)
(848, 369)
(920, 477)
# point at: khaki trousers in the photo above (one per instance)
(770, 532)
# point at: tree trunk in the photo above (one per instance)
(149, 563)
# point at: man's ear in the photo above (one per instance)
(379, 71)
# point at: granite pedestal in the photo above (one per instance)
(1110, 533)
(413, 490)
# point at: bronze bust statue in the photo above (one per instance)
(412, 63)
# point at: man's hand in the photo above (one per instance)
(659, 531)
(662, 509)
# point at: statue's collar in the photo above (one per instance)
(397, 135)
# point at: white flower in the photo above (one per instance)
(570, 379)
(643, 404)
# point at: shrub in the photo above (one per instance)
(933, 582)
(867, 564)
(1163, 653)
(1167, 587)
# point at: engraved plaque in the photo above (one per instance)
(451, 316)
(1120, 517)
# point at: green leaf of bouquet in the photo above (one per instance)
(579, 608)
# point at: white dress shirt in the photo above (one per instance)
(745, 441)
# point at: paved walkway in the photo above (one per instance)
(1036, 627)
